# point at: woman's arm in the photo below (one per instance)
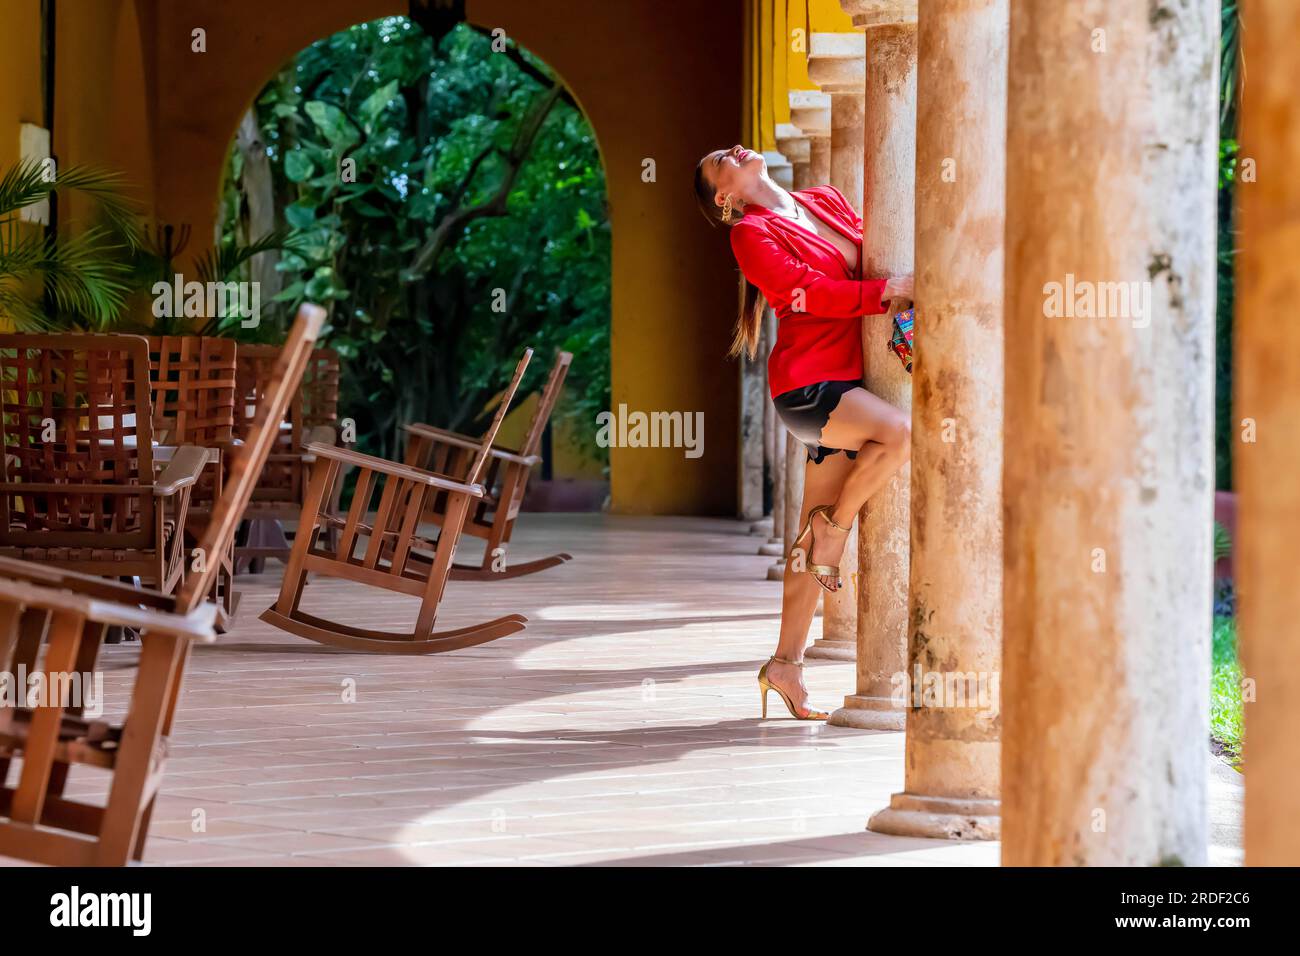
(771, 268)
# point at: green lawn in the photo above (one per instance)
(1225, 687)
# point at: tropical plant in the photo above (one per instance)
(80, 280)
(1222, 542)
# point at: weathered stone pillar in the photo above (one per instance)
(753, 401)
(795, 146)
(955, 618)
(887, 200)
(774, 547)
(1109, 460)
(779, 168)
(836, 63)
(796, 457)
(1266, 460)
(810, 111)
(819, 159)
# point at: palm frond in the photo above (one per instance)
(24, 314)
(29, 182)
(223, 260)
(84, 276)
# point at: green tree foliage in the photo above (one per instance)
(447, 204)
(1229, 96)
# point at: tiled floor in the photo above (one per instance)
(620, 728)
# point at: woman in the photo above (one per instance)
(802, 252)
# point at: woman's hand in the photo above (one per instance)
(898, 287)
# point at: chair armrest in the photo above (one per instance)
(349, 457)
(162, 454)
(15, 569)
(464, 441)
(195, 626)
(182, 471)
(433, 431)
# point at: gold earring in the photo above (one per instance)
(726, 209)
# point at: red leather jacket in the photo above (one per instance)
(792, 267)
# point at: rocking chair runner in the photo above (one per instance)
(43, 825)
(387, 561)
(491, 517)
(78, 488)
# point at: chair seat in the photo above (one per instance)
(339, 522)
(36, 552)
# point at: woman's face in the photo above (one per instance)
(733, 172)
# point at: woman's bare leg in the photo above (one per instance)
(823, 483)
(883, 436)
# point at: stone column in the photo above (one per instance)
(779, 168)
(795, 457)
(1109, 458)
(955, 617)
(752, 404)
(795, 145)
(774, 547)
(1266, 457)
(810, 111)
(836, 63)
(887, 199)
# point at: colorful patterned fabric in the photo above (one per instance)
(901, 343)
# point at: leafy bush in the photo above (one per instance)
(1226, 709)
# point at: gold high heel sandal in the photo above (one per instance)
(819, 570)
(764, 685)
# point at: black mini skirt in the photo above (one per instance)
(805, 411)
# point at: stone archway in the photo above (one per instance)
(657, 96)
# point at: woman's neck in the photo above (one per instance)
(771, 196)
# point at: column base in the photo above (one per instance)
(771, 549)
(869, 713)
(825, 649)
(777, 571)
(762, 526)
(941, 818)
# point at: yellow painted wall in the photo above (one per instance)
(101, 114)
(658, 80)
(20, 93)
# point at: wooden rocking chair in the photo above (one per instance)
(312, 417)
(42, 824)
(491, 517)
(390, 542)
(192, 380)
(78, 489)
